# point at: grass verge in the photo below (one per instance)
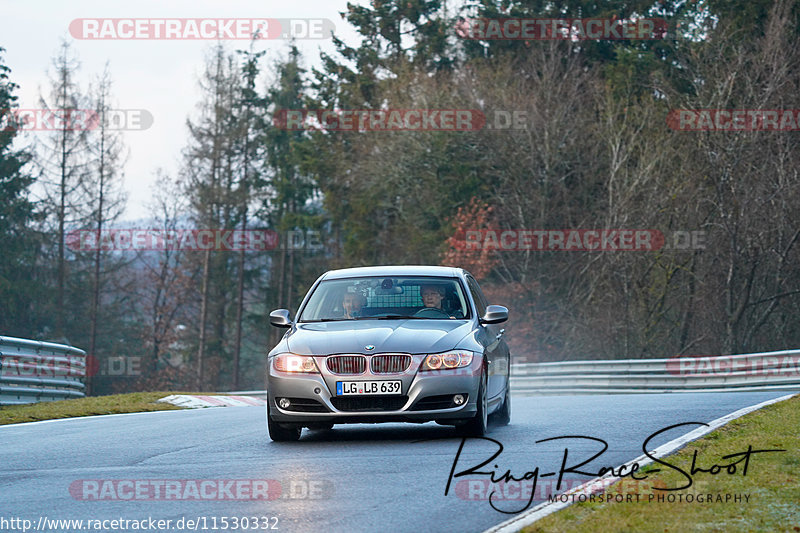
(134, 402)
(772, 484)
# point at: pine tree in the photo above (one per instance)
(19, 287)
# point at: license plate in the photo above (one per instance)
(360, 388)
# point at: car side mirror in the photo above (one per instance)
(281, 318)
(494, 315)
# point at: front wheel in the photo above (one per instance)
(282, 433)
(477, 426)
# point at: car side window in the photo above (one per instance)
(477, 295)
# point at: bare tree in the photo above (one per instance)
(63, 158)
(105, 188)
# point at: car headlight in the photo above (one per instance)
(289, 362)
(447, 360)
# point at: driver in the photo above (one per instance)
(432, 296)
(353, 303)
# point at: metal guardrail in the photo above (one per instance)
(748, 372)
(33, 371)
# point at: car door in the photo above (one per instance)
(492, 339)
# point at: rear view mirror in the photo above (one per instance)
(281, 318)
(494, 314)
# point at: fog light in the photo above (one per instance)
(284, 403)
(458, 399)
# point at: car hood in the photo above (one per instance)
(398, 336)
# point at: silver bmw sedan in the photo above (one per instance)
(389, 344)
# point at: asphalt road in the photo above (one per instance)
(355, 478)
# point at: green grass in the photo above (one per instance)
(772, 482)
(135, 402)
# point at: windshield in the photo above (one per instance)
(386, 298)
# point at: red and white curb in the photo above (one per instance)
(195, 401)
(598, 484)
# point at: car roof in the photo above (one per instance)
(395, 270)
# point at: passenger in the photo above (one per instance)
(353, 303)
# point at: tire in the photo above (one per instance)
(282, 433)
(477, 425)
(502, 416)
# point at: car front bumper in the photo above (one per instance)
(314, 400)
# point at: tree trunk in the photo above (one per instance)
(203, 317)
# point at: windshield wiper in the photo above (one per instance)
(386, 317)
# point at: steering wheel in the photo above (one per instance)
(431, 312)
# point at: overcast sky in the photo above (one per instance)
(156, 75)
